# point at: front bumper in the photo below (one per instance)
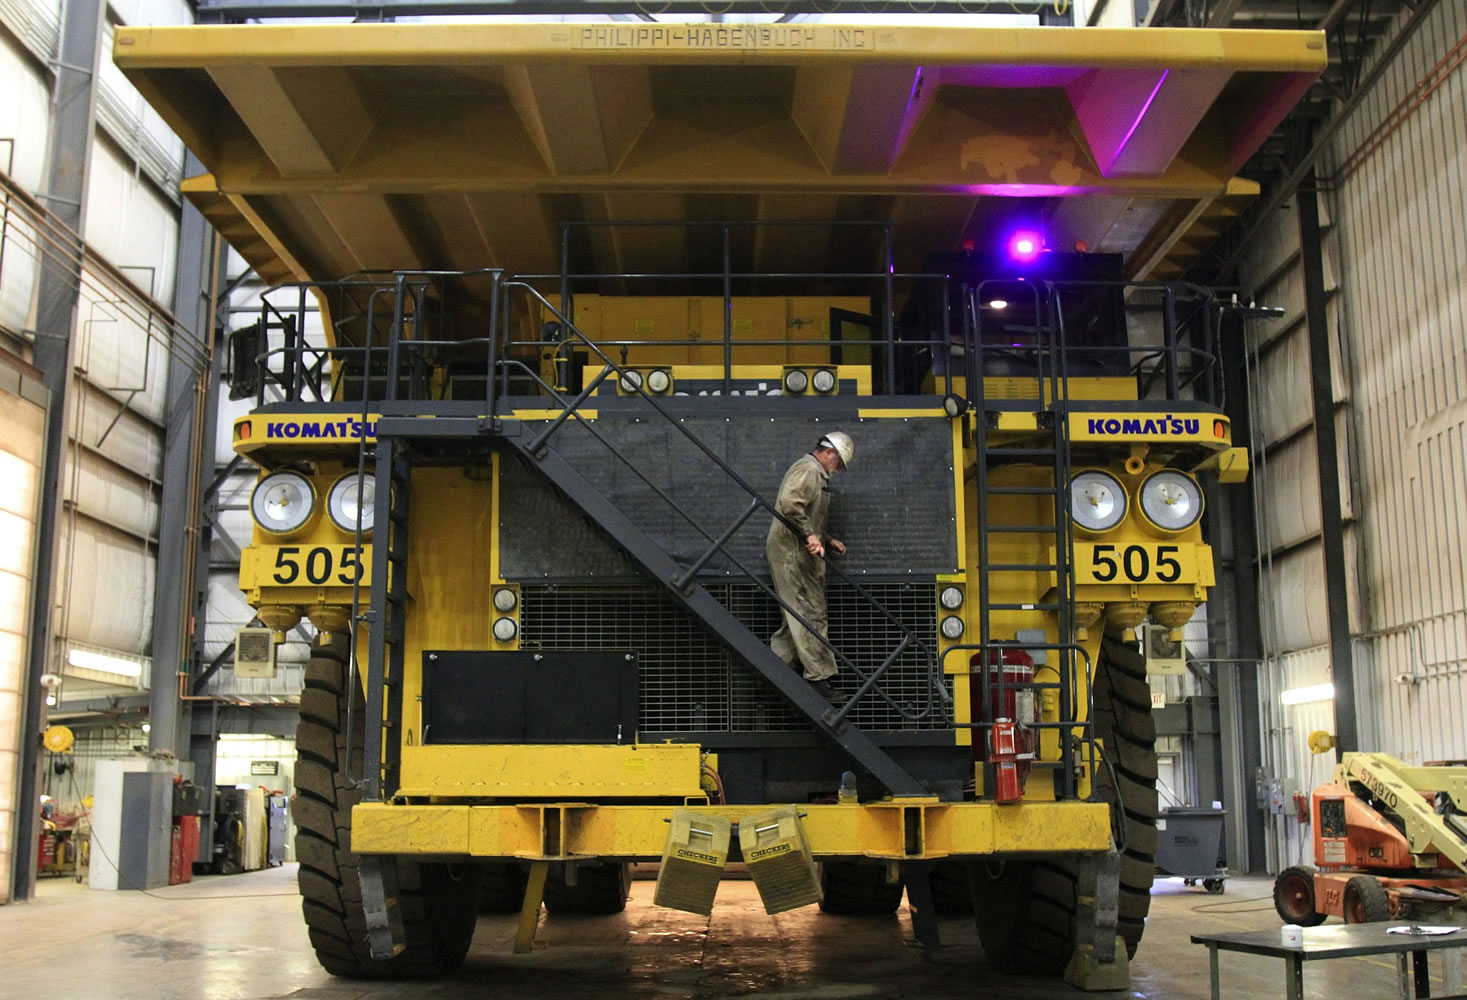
(910, 829)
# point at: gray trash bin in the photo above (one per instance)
(1189, 846)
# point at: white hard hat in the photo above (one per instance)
(842, 444)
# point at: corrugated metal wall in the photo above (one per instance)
(1395, 253)
(1400, 206)
(112, 464)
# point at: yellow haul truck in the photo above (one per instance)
(603, 284)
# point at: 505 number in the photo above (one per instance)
(317, 565)
(1134, 563)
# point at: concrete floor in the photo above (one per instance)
(241, 938)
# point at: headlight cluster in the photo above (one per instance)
(951, 599)
(1170, 500)
(655, 381)
(505, 627)
(284, 502)
(1097, 501)
(352, 500)
(799, 380)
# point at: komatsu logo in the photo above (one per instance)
(1160, 426)
(350, 430)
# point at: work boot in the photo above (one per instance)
(827, 691)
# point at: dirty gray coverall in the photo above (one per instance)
(799, 577)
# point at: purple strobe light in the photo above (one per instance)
(1025, 245)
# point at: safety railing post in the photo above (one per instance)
(493, 351)
(888, 312)
(1169, 332)
(727, 313)
(394, 338)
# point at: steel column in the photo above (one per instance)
(1332, 536)
(73, 119)
(188, 466)
(1237, 682)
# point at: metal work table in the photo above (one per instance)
(1342, 941)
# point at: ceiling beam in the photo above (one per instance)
(371, 231)
(1135, 121)
(278, 246)
(508, 222)
(791, 248)
(582, 119)
(308, 120)
(858, 120)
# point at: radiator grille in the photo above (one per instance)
(690, 682)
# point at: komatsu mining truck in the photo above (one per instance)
(555, 305)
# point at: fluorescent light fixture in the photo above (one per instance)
(88, 660)
(1304, 695)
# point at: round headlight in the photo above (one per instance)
(952, 627)
(631, 381)
(505, 599)
(658, 380)
(823, 380)
(950, 598)
(796, 381)
(1171, 500)
(953, 406)
(283, 502)
(351, 498)
(1097, 501)
(505, 629)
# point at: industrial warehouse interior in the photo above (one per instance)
(779, 498)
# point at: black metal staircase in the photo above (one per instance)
(534, 440)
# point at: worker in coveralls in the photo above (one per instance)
(796, 558)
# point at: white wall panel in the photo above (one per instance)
(1293, 597)
(25, 115)
(18, 274)
(129, 223)
(1283, 398)
(36, 23)
(135, 126)
(1399, 219)
(1288, 488)
(21, 447)
(105, 586)
(123, 353)
(133, 441)
(106, 493)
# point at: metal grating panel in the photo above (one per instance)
(689, 680)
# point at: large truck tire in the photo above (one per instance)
(1026, 922)
(952, 895)
(853, 889)
(439, 902)
(601, 888)
(502, 887)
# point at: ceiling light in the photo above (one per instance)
(88, 660)
(1304, 695)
